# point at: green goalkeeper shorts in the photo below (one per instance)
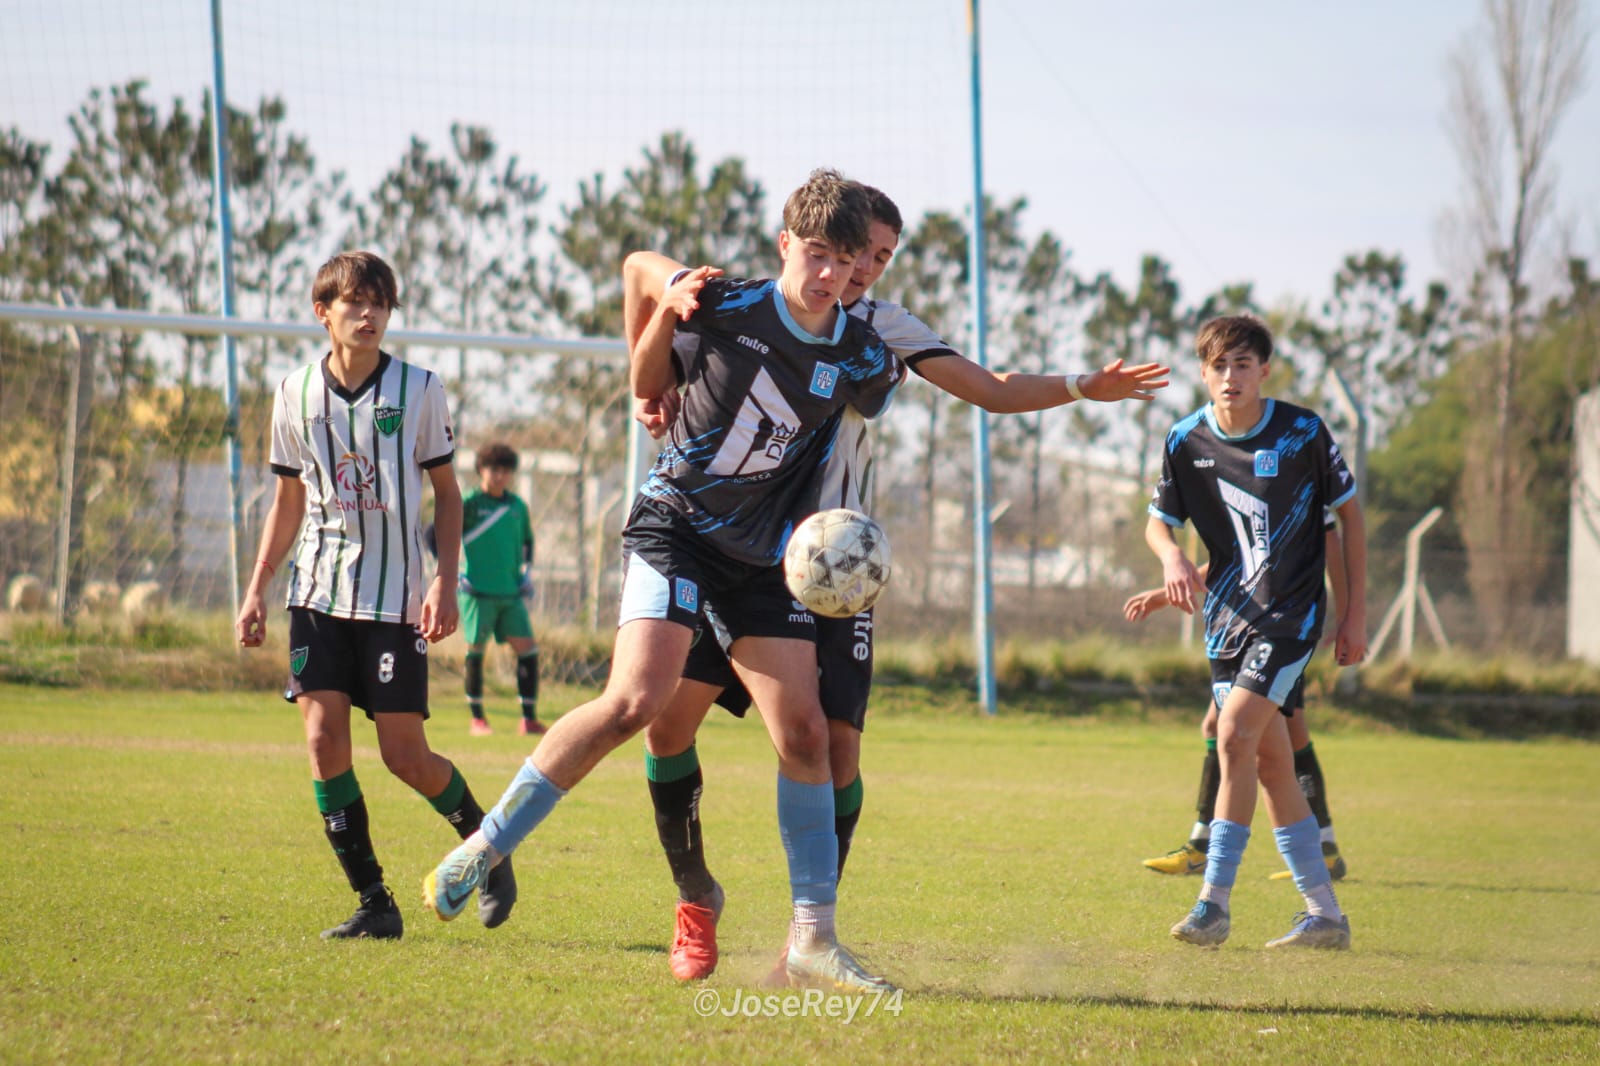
(500, 617)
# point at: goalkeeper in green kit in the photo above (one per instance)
(496, 551)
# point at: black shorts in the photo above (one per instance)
(381, 666)
(844, 668)
(670, 572)
(1270, 668)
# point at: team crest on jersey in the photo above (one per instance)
(1266, 463)
(388, 419)
(823, 379)
(354, 473)
(686, 594)
(297, 659)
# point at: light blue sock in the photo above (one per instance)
(1300, 845)
(530, 797)
(1228, 840)
(805, 822)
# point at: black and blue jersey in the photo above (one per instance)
(760, 415)
(1258, 501)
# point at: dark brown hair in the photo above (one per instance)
(497, 455)
(882, 209)
(1229, 333)
(353, 273)
(828, 207)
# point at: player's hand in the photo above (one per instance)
(1144, 604)
(1114, 382)
(440, 613)
(251, 625)
(682, 297)
(1350, 646)
(657, 415)
(1181, 582)
(525, 586)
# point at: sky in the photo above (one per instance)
(1244, 141)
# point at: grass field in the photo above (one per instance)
(170, 876)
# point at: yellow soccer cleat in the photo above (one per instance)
(1185, 860)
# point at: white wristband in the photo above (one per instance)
(1075, 386)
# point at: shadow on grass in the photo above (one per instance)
(1399, 1014)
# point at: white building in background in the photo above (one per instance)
(1583, 573)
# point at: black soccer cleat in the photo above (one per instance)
(377, 918)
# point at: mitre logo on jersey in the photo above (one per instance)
(388, 419)
(823, 378)
(354, 473)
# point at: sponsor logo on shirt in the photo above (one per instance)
(751, 342)
(354, 473)
(1204, 464)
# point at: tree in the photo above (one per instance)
(1143, 328)
(1533, 53)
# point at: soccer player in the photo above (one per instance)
(352, 436)
(775, 363)
(1191, 857)
(1256, 477)
(497, 545)
(844, 646)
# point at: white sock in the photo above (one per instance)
(1201, 831)
(1321, 901)
(813, 926)
(1327, 835)
(1217, 894)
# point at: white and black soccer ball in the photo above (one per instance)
(837, 562)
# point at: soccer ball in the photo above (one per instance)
(837, 563)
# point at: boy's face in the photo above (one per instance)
(815, 272)
(874, 259)
(495, 480)
(356, 320)
(1234, 380)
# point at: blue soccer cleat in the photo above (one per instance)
(1206, 925)
(447, 889)
(1315, 931)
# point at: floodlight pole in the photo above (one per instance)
(982, 582)
(230, 347)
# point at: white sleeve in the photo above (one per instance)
(906, 335)
(287, 451)
(435, 437)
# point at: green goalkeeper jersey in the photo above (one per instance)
(496, 542)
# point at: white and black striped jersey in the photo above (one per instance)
(846, 478)
(361, 455)
(1259, 501)
(761, 404)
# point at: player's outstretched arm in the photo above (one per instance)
(1012, 393)
(282, 525)
(1350, 646)
(1115, 381)
(440, 611)
(1179, 578)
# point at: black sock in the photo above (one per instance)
(458, 806)
(474, 683)
(1210, 782)
(344, 820)
(528, 684)
(675, 784)
(1309, 772)
(846, 813)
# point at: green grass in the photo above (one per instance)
(169, 876)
